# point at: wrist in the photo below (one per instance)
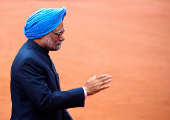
(85, 92)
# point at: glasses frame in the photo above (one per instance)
(59, 32)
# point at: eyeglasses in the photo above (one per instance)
(59, 33)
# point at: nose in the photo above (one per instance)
(62, 38)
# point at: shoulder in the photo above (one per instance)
(27, 61)
(27, 56)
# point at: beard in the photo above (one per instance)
(57, 46)
(51, 45)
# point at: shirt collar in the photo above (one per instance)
(37, 47)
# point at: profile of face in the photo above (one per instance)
(53, 40)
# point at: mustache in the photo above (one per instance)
(59, 43)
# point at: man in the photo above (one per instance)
(35, 87)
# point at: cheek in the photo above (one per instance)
(49, 41)
(55, 41)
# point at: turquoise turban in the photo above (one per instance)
(43, 21)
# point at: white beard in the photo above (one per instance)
(49, 44)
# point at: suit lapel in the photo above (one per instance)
(56, 75)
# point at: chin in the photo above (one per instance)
(56, 48)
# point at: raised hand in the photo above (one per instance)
(96, 84)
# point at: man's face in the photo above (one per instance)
(53, 40)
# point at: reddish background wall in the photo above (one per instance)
(128, 39)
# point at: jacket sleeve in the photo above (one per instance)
(32, 78)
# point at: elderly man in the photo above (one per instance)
(35, 87)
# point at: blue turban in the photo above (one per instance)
(43, 21)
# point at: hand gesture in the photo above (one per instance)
(96, 84)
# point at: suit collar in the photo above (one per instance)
(37, 47)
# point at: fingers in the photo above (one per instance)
(101, 76)
(94, 77)
(104, 87)
(105, 78)
(96, 84)
(105, 82)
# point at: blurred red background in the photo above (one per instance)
(128, 39)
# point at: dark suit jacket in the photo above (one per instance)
(35, 88)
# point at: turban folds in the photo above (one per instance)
(43, 21)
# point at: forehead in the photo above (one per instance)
(59, 27)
